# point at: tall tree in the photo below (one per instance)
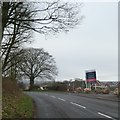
(36, 63)
(14, 34)
(20, 18)
(44, 16)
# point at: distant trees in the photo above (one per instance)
(20, 18)
(36, 63)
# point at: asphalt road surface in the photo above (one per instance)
(67, 105)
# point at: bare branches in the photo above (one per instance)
(20, 19)
(14, 35)
(58, 15)
(36, 63)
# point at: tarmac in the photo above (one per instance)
(109, 96)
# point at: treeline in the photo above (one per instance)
(55, 85)
(19, 21)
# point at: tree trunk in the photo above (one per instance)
(31, 83)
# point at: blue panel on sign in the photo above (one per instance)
(91, 76)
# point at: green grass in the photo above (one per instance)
(15, 104)
(17, 107)
(24, 107)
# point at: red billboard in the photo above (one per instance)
(91, 76)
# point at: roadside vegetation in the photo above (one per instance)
(75, 87)
(15, 104)
(19, 21)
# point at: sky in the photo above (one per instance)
(91, 45)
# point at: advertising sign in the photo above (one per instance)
(91, 76)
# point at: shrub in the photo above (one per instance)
(106, 91)
(117, 91)
(87, 90)
(98, 90)
(15, 104)
(79, 89)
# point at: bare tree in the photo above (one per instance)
(20, 18)
(44, 16)
(14, 34)
(37, 63)
(11, 69)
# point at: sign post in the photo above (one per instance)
(90, 77)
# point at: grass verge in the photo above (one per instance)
(15, 104)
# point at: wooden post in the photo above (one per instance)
(95, 86)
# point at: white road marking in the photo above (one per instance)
(53, 96)
(61, 99)
(106, 116)
(77, 104)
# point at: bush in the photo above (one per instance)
(98, 90)
(106, 91)
(79, 89)
(117, 92)
(87, 90)
(15, 104)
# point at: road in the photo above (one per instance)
(68, 105)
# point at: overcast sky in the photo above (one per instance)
(91, 45)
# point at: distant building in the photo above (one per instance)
(108, 83)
